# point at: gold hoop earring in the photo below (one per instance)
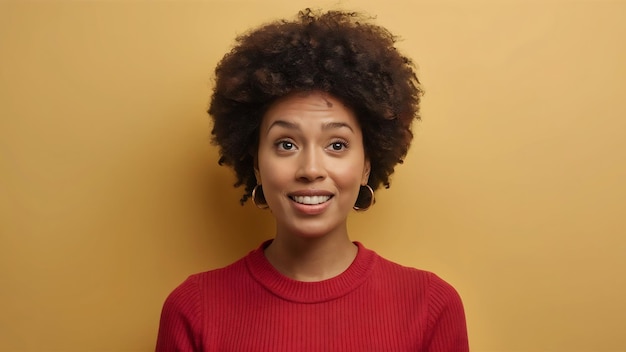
(365, 199)
(257, 192)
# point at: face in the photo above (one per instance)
(311, 163)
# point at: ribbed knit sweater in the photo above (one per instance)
(375, 305)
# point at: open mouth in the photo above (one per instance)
(310, 200)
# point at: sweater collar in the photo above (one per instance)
(310, 292)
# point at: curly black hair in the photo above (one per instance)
(337, 52)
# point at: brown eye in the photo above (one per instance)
(338, 146)
(285, 145)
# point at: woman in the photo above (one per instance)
(313, 115)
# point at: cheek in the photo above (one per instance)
(348, 175)
(272, 171)
(272, 176)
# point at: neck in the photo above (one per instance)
(311, 259)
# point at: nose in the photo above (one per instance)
(311, 166)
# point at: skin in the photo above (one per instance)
(311, 151)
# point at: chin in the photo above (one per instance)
(311, 231)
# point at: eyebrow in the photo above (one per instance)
(336, 125)
(295, 126)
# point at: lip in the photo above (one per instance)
(307, 209)
(311, 193)
(310, 209)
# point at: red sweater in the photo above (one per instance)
(375, 305)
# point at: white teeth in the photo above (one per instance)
(311, 200)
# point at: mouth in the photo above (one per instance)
(310, 200)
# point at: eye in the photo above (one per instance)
(338, 146)
(285, 145)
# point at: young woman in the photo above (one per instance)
(313, 115)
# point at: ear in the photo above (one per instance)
(367, 167)
(257, 174)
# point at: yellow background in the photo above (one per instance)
(514, 190)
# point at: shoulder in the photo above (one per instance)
(399, 272)
(200, 286)
(436, 299)
(211, 282)
(217, 285)
(188, 301)
(185, 311)
(425, 283)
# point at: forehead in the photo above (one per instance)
(309, 107)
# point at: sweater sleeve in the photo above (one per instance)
(181, 319)
(446, 319)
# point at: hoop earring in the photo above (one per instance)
(257, 192)
(365, 199)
